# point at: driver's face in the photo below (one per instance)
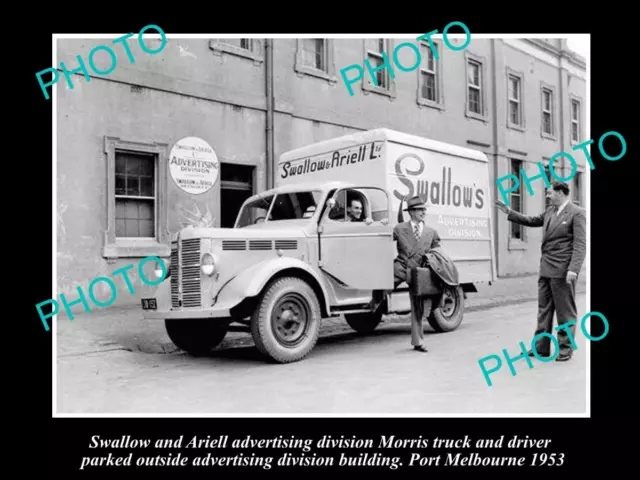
(355, 209)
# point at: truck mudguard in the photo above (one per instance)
(251, 281)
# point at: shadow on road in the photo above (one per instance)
(248, 352)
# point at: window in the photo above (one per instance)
(373, 53)
(430, 76)
(136, 200)
(475, 90)
(281, 207)
(369, 203)
(576, 193)
(515, 202)
(474, 85)
(548, 107)
(315, 56)
(313, 53)
(375, 48)
(250, 48)
(135, 195)
(515, 101)
(575, 120)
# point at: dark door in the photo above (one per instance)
(236, 185)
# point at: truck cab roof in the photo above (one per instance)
(304, 187)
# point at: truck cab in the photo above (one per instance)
(298, 254)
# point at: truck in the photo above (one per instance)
(291, 259)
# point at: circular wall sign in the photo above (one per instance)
(194, 165)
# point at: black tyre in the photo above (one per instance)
(197, 336)
(286, 323)
(447, 315)
(364, 323)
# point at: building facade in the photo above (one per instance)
(520, 101)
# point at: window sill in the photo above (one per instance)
(314, 72)
(134, 248)
(477, 116)
(367, 89)
(220, 48)
(516, 244)
(519, 128)
(548, 136)
(423, 102)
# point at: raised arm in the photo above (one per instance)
(527, 221)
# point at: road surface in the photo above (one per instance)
(345, 374)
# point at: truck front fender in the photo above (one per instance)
(251, 281)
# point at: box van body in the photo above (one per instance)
(292, 257)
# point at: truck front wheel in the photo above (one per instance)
(286, 323)
(447, 315)
(197, 336)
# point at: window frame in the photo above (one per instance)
(553, 112)
(329, 74)
(482, 63)
(255, 53)
(129, 247)
(517, 243)
(438, 103)
(368, 88)
(574, 98)
(577, 181)
(521, 126)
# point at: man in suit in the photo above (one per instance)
(563, 252)
(414, 239)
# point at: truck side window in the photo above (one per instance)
(358, 205)
(376, 204)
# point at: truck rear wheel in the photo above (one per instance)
(447, 316)
(197, 336)
(364, 323)
(286, 323)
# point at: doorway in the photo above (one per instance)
(236, 185)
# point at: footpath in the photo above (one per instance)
(123, 328)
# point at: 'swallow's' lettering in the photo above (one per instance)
(435, 192)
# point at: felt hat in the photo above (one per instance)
(415, 202)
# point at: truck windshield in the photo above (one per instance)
(286, 206)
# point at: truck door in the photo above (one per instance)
(357, 249)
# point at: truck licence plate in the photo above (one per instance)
(149, 304)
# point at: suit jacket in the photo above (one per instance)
(410, 250)
(564, 239)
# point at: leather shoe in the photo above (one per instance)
(563, 357)
(543, 355)
(420, 348)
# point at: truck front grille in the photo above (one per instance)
(185, 274)
(175, 276)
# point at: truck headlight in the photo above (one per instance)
(159, 271)
(208, 264)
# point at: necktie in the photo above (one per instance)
(416, 231)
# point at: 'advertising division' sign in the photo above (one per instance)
(194, 165)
